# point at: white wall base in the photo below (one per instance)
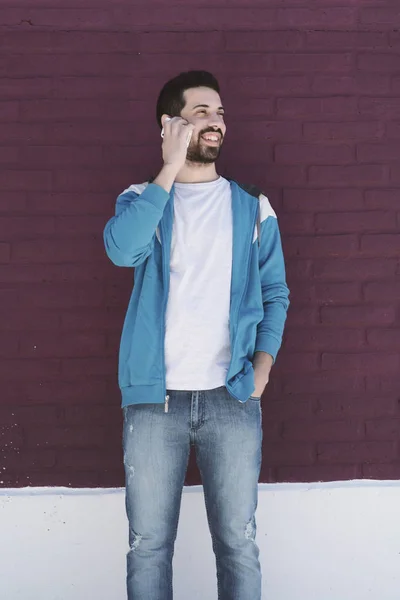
(338, 541)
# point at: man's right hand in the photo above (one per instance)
(174, 146)
(174, 150)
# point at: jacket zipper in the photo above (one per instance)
(244, 288)
(166, 285)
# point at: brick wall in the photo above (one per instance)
(312, 92)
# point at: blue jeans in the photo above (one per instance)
(227, 439)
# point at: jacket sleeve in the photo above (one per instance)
(275, 293)
(129, 235)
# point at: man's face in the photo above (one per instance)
(204, 110)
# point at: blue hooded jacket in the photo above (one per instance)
(139, 235)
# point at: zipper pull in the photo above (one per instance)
(166, 404)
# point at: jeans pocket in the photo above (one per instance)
(255, 398)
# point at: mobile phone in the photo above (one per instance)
(189, 137)
(189, 134)
(162, 130)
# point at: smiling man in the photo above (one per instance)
(202, 330)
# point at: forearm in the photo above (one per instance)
(166, 177)
(262, 364)
(270, 330)
(275, 293)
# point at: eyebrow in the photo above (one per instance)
(206, 106)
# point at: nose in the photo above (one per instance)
(216, 120)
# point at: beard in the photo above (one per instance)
(199, 152)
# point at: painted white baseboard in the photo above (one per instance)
(337, 541)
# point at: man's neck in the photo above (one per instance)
(195, 173)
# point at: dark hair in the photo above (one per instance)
(171, 100)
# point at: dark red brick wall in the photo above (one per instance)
(312, 92)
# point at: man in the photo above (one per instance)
(202, 330)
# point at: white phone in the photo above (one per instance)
(189, 134)
(162, 130)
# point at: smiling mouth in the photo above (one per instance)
(211, 139)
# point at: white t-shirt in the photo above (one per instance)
(197, 343)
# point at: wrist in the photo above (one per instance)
(170, 168)
(167, 176)
(263, 361)
(262, 364)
